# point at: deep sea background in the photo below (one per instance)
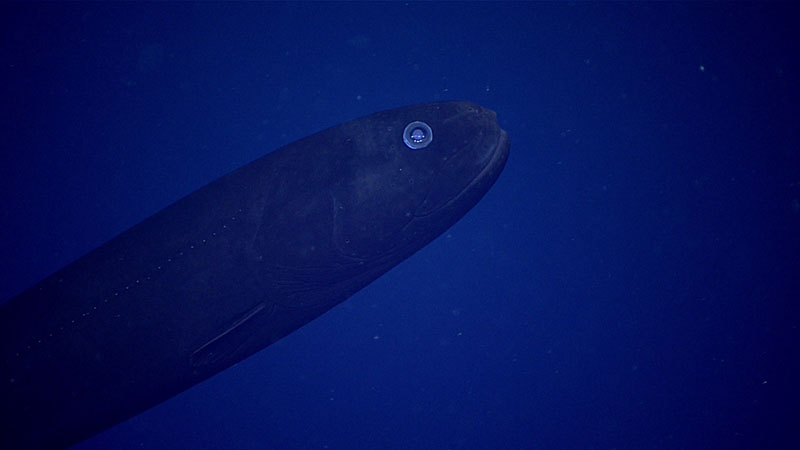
(631, 281)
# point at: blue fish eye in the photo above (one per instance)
(417, 135)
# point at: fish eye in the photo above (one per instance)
(417, 135)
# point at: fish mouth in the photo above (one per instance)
(497, 161)
(493, 163)
(491, 170)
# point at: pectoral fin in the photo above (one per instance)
(227, 343)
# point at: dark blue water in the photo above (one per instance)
(631, 281)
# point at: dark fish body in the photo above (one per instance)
(233, 267)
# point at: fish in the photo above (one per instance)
(235, 266)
